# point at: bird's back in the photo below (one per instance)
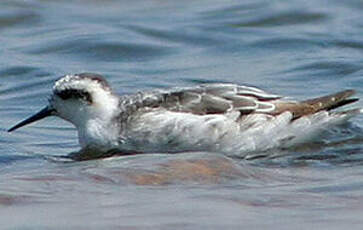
(228, 118)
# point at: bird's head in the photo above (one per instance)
(78, 98)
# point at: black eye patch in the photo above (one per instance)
(74, 93)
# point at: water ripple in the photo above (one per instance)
(282, 44)
(177, 36)
(18, 18)
(103, 51)
(329, 67)
(284, 19)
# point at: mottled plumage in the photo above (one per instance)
(227, 118)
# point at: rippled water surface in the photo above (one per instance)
(296, 48)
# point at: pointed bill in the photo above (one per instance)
(45, 112)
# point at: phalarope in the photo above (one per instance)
(228, 118)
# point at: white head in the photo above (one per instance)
(78, 99)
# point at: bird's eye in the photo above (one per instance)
(75, 94)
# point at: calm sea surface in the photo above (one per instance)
(296, 48)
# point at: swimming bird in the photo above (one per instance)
(228, 118)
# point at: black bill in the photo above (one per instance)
(40, 115)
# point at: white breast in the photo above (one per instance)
(173, 132)
(165, 131)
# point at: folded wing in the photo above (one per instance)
(215, 99)
(225, 98)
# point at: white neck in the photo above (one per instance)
(98, 128)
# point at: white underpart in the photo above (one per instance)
(173, 132)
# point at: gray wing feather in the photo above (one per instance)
(229, 99)
(212, 99)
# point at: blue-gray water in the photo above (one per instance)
(296, 48)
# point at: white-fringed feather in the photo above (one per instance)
(228, 118)
(236, 120)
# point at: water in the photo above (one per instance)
(297, 48)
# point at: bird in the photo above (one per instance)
(232, 119)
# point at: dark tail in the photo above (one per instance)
(332, 101)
